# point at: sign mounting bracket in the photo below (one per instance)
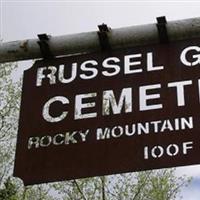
(44, 46)
(162, 30)
(103, 37)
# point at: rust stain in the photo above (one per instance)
(24, 45)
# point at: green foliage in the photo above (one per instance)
(10, 93)
(9, 106)
(9, 192)
(147, 185)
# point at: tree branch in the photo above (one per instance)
(79, 189)
(103, 187)
(141, 186)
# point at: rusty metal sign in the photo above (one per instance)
(107, 113)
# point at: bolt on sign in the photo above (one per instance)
(106, 113)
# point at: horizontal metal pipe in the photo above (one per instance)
(89, 42)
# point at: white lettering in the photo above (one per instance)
(107, 65)
(183, 56)
(128, 64)
(150, 66)
(80, 106)
(61, 73)
(92, 70)
(50, 76)
(110, 101)
(180, 90)
(144, 97)
(45, 112)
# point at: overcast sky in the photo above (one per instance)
(25, 19)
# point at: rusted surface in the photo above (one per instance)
(88, 42)
(24, 45)
(118, 153)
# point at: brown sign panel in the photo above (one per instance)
(107, 113)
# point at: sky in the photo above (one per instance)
(25, 19)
